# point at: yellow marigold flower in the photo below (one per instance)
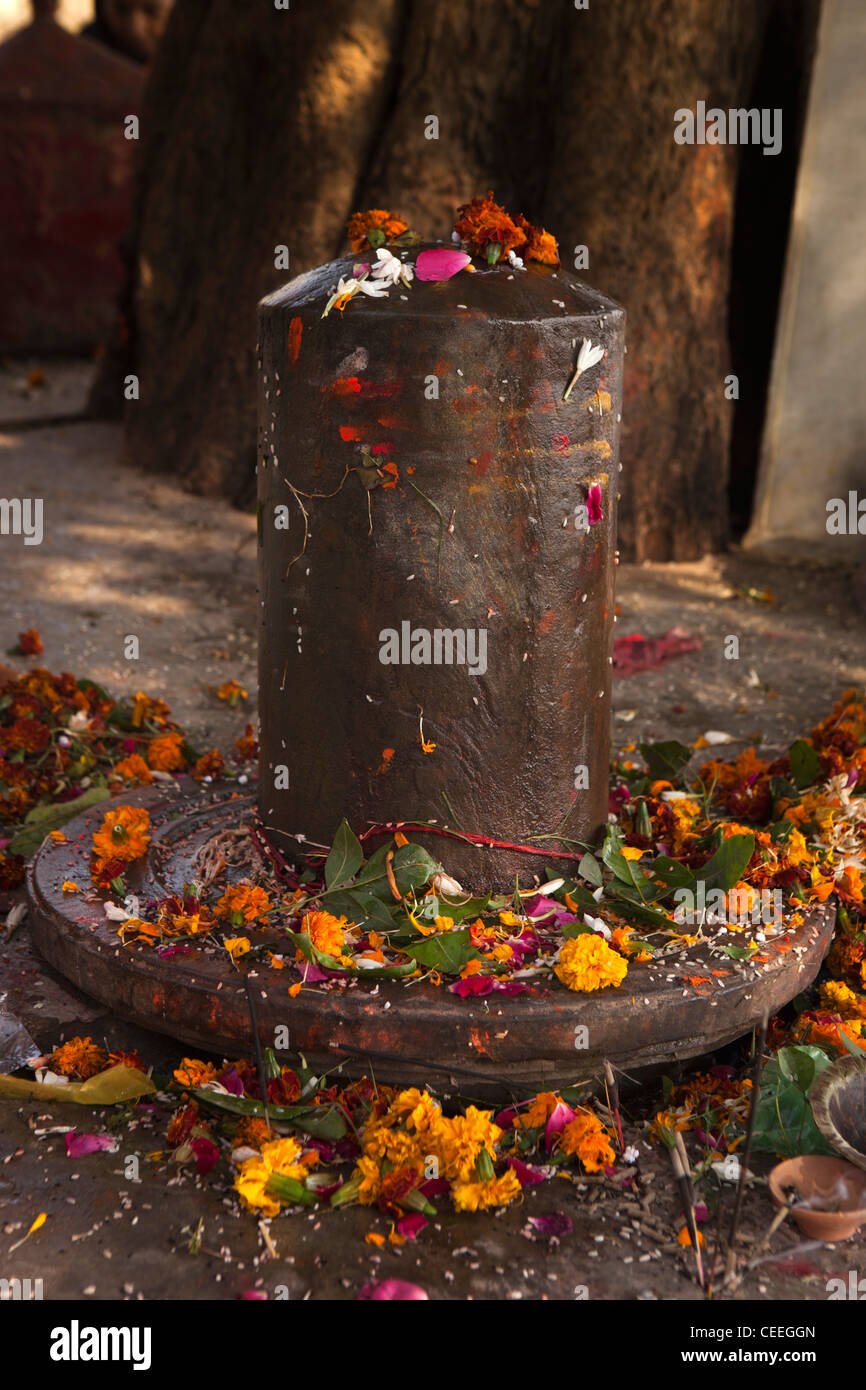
(165, 753)
(67, 886)
(278, 1157)
(495, 1192)
(242, 904)
(57, 836)
(124, 834)
(444, 923)
(586, 963)
(458, 1142)
(796, 850)
(510, 919)
(837, 996)
(399, 1148)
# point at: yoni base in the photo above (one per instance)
(481, 1046)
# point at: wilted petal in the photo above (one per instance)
(554, 1224)
(593, 505)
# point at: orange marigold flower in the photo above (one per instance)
(29, 642)
(247, 746)
(485, 225)
(251, 1133)
(165, 753)
(243, 903)
(153, 711)
(540, 245)
(232, 691)
(124, 835)
(134, 769)
(588, 1140)
(385, 226)
(326, 932)
(210, 764)
(193, 1072)
(79, 1058)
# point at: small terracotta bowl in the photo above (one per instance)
(834, 1180)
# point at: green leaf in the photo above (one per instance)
(448, 952)
(805, 764)
(729, 862)
(412, 867)
(345, 858)
(626, 870)
(665, 760)
(590, 869)
(42, 819)
(322, 1121)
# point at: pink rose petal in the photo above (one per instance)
(392, 1290)
(206, 1154)
(80, 1145)
(412, 1224)
(555, 1223)
(440, 264)
(593, 505)
(561, 1116)
(527, 1173)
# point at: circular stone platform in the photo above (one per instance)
(408, 1034)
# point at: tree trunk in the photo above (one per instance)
(265, 127)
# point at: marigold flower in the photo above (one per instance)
(326, 932)
(588, 1140)
(124, 835)
(194, 1073)
(145, 709)
(29, 642)
(243, 903)
(586, 962)
(232, 691)
(210, 764)
(165, 753)
(385, 226)
(133, 769)
(247, 746)
(79, 1058)
(479, 1196)
(26, 736)
(485, 225)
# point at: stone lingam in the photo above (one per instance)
(437, 529)
(438, 478)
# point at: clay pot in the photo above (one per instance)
(840, 1184)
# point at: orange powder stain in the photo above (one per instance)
(546, 622)
(296, 329)
(387, 755)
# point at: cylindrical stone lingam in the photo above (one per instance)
(437, 530)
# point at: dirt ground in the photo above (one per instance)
(125, 554)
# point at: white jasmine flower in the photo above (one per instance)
(597, 925)
(587, 357)
(115, 913)
(632, 1154)
(516, 261)
(79, 722)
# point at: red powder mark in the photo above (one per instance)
(388, 422)
(560, 443)
(296, 329)
(350, 432)
(481, 464)
(344, 386)
(383, 448)
(387, 755)
(353, 386)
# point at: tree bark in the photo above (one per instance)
(266, 127)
